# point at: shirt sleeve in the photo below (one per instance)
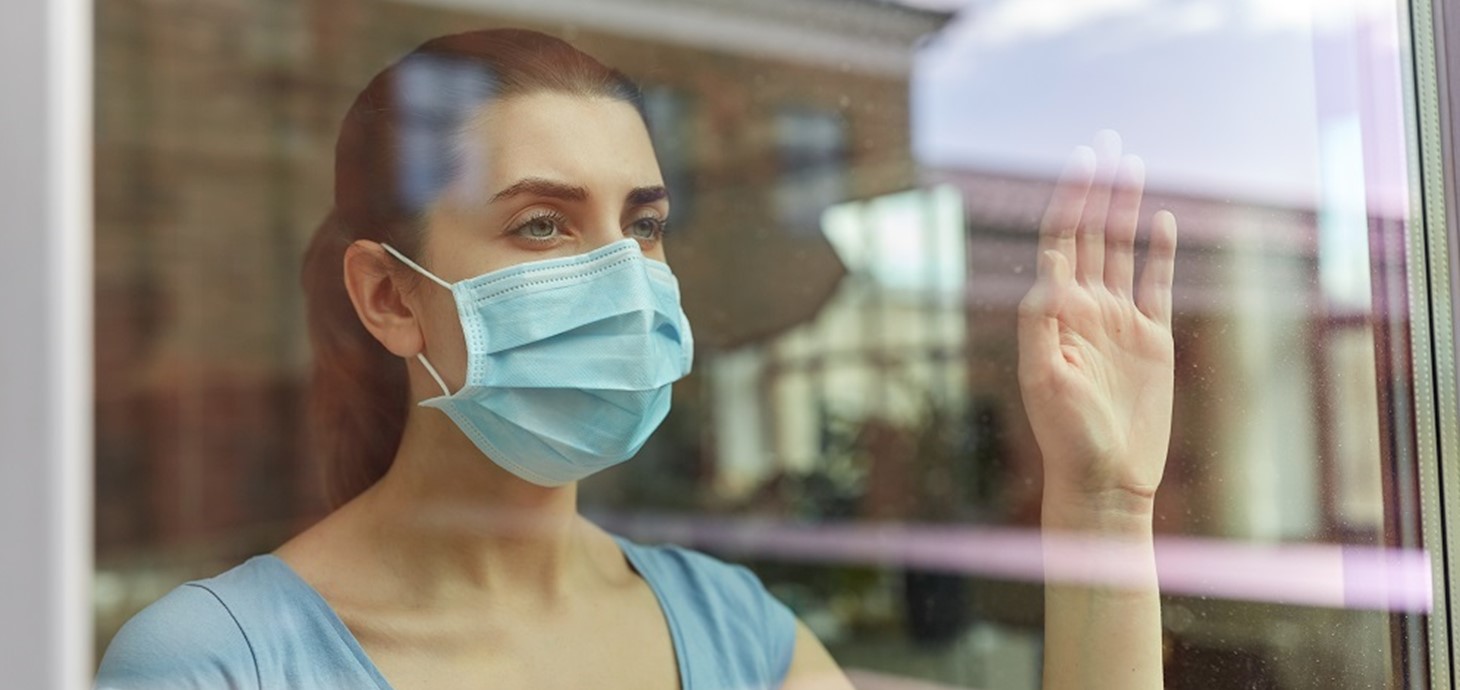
(187, 640)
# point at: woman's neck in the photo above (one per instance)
(453, 521)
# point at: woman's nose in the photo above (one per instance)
(601, 234)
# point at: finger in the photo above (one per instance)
(1062, 216)
(1120, 231)
(1039, 335)
(1154, 296)
(1090, 239)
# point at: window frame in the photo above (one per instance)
(50, 454)
(46, 294)
(1432, 107)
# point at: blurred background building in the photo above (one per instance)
(852, 271)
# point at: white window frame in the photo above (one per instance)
(46, 348)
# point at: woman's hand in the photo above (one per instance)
(1095, 351)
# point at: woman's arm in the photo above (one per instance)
(812, 667)
(1105, 633)
(1096, 365)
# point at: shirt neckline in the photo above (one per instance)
(644, 568)
(635, 559)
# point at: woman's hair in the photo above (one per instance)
(399, 147)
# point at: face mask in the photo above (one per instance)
(569, 360)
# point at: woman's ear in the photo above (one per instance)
(379, 298)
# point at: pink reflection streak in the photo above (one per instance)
(1324, 575)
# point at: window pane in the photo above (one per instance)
(857, 189)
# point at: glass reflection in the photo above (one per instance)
(857, 191)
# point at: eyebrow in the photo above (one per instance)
(639, 196)
(544, 187)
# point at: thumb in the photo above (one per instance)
(1039, 331)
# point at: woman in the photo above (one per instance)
(495, 254)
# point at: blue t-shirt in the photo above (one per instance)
(259, 626)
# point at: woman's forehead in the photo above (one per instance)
(587, 141)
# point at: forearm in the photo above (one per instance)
(1102, 613)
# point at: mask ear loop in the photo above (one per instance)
(414, 265)
(421, 356)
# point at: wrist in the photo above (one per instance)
(1114, 512)
(1102, 542)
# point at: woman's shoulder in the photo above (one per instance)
(190, 638)
(241, 629)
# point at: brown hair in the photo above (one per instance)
(396, 151)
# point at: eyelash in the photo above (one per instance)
(661, 226)
(558, 219)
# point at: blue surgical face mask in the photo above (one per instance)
(569, 360)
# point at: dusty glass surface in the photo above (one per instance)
(857, 191)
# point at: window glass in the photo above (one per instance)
(857, 190)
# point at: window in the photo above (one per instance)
(862, 182)
(672, 124)
(812, 148)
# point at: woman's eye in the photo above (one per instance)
(646, 228)
(540, 228)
